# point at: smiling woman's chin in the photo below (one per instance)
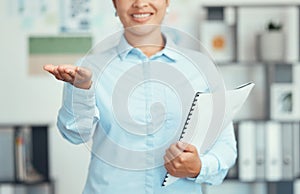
(143, 29)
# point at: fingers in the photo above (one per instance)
(58, 74)
(172, 153)
(49, 68)
(177, 149)
(182, 160)
(172, 160)
(169, 165)
(53, 70)
(65, 74)
(79, 77)
(186, 147)
(62, 72)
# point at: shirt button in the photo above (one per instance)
(148, 117)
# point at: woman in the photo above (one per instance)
(144, 42)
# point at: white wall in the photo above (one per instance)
(26, 99)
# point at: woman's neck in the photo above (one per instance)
(149, 43)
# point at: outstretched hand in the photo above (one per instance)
(80, 77)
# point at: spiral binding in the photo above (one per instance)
(189, 115)
(185, 126)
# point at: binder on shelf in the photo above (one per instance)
(21, 189)
(287, 151)
(20, 155)
(197, 129)
(260, 150)
(25, 171)
(273, 151)
(7, 167)
(24, 160)
(296, 150)
(297, 186)
(7, 189)
(38, 189)
(247, 155)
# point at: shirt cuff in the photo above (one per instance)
(209, 166)
(73, 96)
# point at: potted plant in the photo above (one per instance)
(271, 43)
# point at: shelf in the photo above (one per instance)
(24, 155)
(42, 187)
(25, 183)
(256, 63)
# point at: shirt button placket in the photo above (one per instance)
(149, 178)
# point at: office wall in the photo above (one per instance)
(35, 99)
(26, 99)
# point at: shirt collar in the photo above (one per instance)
(170, 51)
(123, 48)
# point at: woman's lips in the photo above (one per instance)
(141, 17)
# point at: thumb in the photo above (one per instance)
(186, 147)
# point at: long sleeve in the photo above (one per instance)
(217, 161)
(78, 115)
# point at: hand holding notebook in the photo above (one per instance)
(198, 130)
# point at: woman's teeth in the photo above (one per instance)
(141, 15)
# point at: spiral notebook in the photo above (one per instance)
(202, 112)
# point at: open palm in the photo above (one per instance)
(80, 77)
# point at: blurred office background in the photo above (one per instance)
(250, 41)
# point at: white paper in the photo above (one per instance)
(201, 121)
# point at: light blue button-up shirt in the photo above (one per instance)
(124, 160)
